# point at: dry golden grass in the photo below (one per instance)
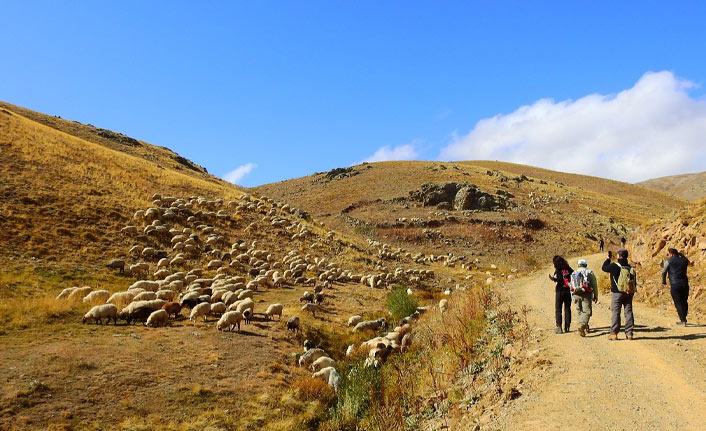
(687, 186)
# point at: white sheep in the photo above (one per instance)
(354, 320)
(79, 292)
(274, 310)
(145, 296)
(218, 308)
(229, 320)
(97, 296)
(99, 312)
(324, 374)
(321, 363)
(165, 294)
(247, 293)
(203, 309)
(310, 356)
(158, 318)
(66, 292)
(443, 305)
(245, 304)
(369, 324)
(120, 298)
(310, 308)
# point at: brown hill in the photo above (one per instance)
(687, 186)
(539, 212)
(74, 197)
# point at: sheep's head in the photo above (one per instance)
(85, 318)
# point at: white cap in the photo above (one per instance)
(582, 262)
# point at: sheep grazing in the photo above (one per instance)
(310, 356)
(97, 296)
(202, 309)
(370, 325)
(308, 345)
(117, 264)
(274, 310)
(100, 312)
(66, 292)
(406, 342)
(321, 363)
(247, 293)
(135, 314)
(354, 320)
(229, 320)
(307, 297)
(157, 318)
(324, 374)
(172, 308)
(319, 298)
(310, 308)
(165, 294)
(247, 315)
(218, 308)
(145, 296)
(245, 304)
(350, 350)
(293, 324)
(79, 292)
(120, 298)
(443, 305)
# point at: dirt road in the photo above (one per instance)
(655, 382)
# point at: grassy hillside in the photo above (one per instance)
(688, 186)
(550, 212)
(68, 190)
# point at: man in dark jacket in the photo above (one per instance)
(676, 266)
(619, 299)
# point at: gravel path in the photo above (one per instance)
(655, 382)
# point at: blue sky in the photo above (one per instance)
(292, 88)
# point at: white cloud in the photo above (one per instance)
(238, 173)
(400, 152)
(653, 129)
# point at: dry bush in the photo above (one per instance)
(311, 388)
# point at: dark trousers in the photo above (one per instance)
(618, 302)
(563, 300)
(680, 295)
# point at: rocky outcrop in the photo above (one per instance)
(460, 197)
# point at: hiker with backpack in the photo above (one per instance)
(562, 300)
(623, 285)
(675, 266)
(584, 291)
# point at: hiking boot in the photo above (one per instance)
(587, 328)
(558, 330)
(613, 337)
(629, 336)
(566, 329)
(680, 323)
(582, 331)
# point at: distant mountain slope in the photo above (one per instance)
(686, 186)
(547, 213)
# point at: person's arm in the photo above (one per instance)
(665, 269)
(606, 265)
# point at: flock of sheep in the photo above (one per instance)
(184, 260)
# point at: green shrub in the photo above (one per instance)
(400, 304)
(358, 387)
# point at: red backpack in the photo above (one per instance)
(566, 276)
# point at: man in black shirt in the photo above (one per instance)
(619, 299)
(676, 266)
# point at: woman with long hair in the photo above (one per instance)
(562, 299)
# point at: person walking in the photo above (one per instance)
(623, 285)
(601, 244)
(584, 291)
(562, 298)
(675, 266)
